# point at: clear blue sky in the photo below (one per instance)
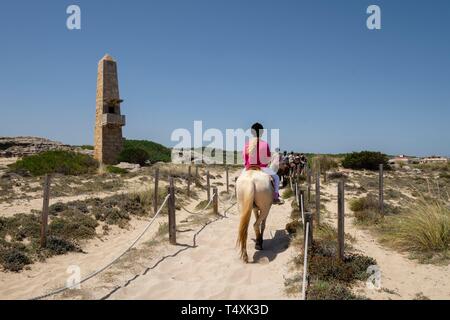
(310, 68)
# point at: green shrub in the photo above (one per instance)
(115, 170)
(365, 160)
(112, 216)
(20, 226)
(134, 155)
(14, 260)
(73, 225)
(60, 246)
(366, 209)
(63, 162)
(367, 203)
(156, 152)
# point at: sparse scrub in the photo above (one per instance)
(366, 210)
(336, 175)
(202, 204)
(163, 230)
(330, 278)
(116, 170)
(73, 225)
(423, 229)
(63, 162)
(287, 193)
(20, 236)
(324, 163)
(324, 290)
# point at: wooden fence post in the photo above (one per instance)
(155, 197)
(308, 179)
(45, 203)
(215, 200)
(381, 190)
(341, 219)
(228, 182)
(308, 219)
(196, 171)
(318, 198)
(189, 183)
(208, 186)
(302, 206)
(171, 206)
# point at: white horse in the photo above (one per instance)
(254, 193)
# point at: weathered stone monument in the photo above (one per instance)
(108, 120)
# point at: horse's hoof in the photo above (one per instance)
(259, 246)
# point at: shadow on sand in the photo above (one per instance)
(272, 247)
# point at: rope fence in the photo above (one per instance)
(109, 264)
(168, 200)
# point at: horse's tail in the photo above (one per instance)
(248, 195)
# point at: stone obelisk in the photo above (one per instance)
(108, 119)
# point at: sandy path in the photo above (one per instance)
(210, 270)
(402, 277)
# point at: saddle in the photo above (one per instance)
(257, 168)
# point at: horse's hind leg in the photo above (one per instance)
(262, 223)
(257, 230)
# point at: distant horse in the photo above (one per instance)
(254, 193)
(284, 172)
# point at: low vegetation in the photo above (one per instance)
(329, 277)
(116, 170)
(366, 210)
(155, 152)
(423, 229)
(69, 223)
(324, 163)
(365, 160)
(63, 162)
(134, 155)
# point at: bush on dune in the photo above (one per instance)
(365, 160)
(155, 151)
(366, 209)
(63, 162)
(134, 155)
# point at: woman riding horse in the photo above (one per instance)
(254, 189)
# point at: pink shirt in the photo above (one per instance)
(260, 158)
